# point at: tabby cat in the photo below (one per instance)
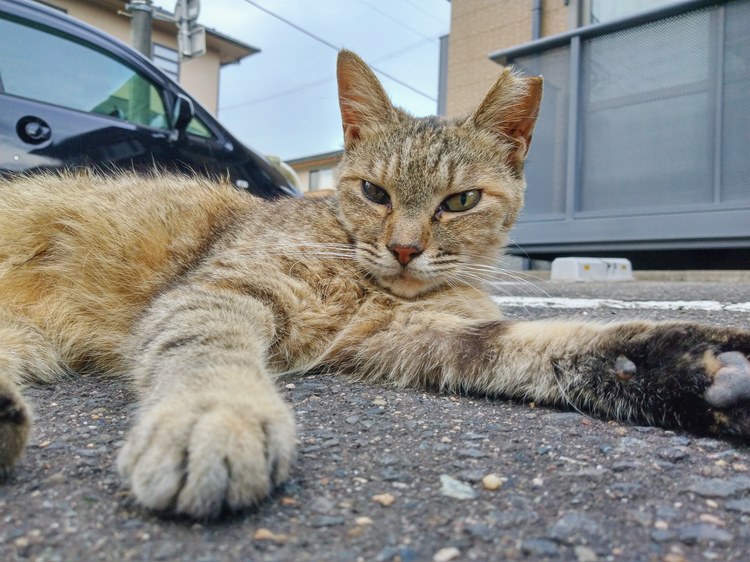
(201, 295)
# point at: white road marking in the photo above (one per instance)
(568, 303)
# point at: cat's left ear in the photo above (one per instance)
(510, 110)
(362, 99)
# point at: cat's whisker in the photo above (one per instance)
(563, 392)
(313, 253)
(309, 248)
(528, 257)
(522, 283)
(471, 276)
(301, 245)
(295, 248)
(480, 259)
(500, 290)
(455, 280)
(459, 281)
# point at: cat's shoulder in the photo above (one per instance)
(302, 211)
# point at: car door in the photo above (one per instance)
(204, 140)
(66, 102)
(197, 145)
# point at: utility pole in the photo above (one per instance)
(140, 38)
(140, 26)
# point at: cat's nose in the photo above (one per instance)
(404, 254)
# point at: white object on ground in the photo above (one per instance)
(591, 269)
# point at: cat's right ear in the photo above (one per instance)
(362, 99)
(509, 111)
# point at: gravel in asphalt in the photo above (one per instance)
(387, 475)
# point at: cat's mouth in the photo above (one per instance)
(407, 283)
(403, 280)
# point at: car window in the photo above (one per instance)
(199, 128)
(44, 65)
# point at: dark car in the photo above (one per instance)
(72, 96)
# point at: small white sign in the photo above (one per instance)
(591, 269)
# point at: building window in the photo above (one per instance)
(167, 60)
(321, 179)
(606, 10)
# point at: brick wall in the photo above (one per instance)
(479, 27)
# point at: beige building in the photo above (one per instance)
(199, 76)
(316, 172)
(479, 27)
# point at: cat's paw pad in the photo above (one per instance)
(199, 457)
(15, 421)
(731, 380)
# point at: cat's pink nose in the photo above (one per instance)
(404, 254)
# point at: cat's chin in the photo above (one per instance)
(407, 286)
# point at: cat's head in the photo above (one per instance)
(428, 201)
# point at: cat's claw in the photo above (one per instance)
(199, 457)
(731, 381)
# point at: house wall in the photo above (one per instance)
(304, 177)
(200, 77)
(303, 167)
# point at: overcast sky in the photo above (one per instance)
(283, 101)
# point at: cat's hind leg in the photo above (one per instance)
(26, 356)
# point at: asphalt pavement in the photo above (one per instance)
(387, 475)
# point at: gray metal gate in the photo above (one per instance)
(643, 140)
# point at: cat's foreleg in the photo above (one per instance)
(674, 374)
(26, 356)
(212, 431)
(671, 374)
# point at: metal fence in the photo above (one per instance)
(643, 140)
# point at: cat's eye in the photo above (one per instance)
(375, 193)
(461, 201)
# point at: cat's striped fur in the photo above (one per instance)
(201, 294)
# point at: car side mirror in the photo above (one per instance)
(182, 112)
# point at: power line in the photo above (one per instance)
(398, 22)
(294, 25)
(433, 16)
(319, 82)
(406, 49)
(297, 89)
(336, 48)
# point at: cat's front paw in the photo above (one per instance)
(15, 422)
(197, 456)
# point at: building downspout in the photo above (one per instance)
(536, 20)
(575, 13)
